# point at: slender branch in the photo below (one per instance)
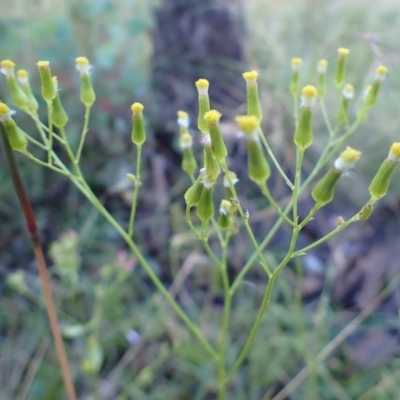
(137, 184)
(33, 230)
(83, 134)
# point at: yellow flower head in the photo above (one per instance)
(7, 68)
(43, 64)
(343, 52)
(250, 77)
(186, 141)
(5, 113)
(308, 96)
(82, 65)
(225, 207)
(248, 123)
(212, 117)
(202, 86)
(394, 154)
(22, 76)
(183, 119)
(347, 159)
(137, 109)
(380, 73)
(296, 63)
(322, 66)
(233, 178)
(348, 91)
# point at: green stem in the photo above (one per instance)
(225, 320)
(246, 223)
(274, 205)
(50, 140)
(326, 117)
(299, 161)
(135, 191)
(274, 160)
(83, 134)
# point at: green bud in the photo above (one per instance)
(217, 142)
(16, 136)
(93, 357)
(253, 99)
(303, 135)
(224, 221)
(321, 88)
(380, 183)
(341, 66)
(258, 168)
(366, 212)
(294, 86)
(211, 165)
(204, 104)
(324, 190)
(138, 131)
(347, 95)
(372, 95)
(189, 163)
(193, 194)
(47, 85)
(18, 96)
(23, 80)
(58, 115)
(16, 280)
(205, 208)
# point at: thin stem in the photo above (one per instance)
(326, 117)
(137, 184)
(83, 134)
(246, 223)
(274, 160)
(275, 206)
(50, 166)
(299, 161)
(50, 144)
(33, 230)
(225, 320)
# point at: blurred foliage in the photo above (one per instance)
(123, 341)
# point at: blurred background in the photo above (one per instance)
(135, 348)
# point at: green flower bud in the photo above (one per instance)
(380, 183)
(347, 95)
(228, 191)
(58, 115)
(217, 142)
(193, 194)
(93, 357)
(253, 99)
(189, 163)
(224, 219)
(294, 80)
(321, 89)
(257, 164)
(372, 95)
(211, 166)
(324, 190)
(48, 92)
(138, 131)
(303, 136)
(204, 104)
(205, 208)
(18, 96)
(15, 135)
(341, 66)
(366, 212)
(87, 95)
(183, 122)
(23, 80)
(16, 280)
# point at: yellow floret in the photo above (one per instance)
(247, 123)
(4, 109)
(212, 117)
(382, 70)
(309, 91)
(202, 83)
(186, 138)
(226, 205)
(395, 149)
(137, 108)
(348, 88)
(43, 64)
(182, 114)
(323, 63)
(350, 155)
(296, 61)
(343, 51)
(7, 64)
(21, 73)
(82, 61)
(250, 76)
